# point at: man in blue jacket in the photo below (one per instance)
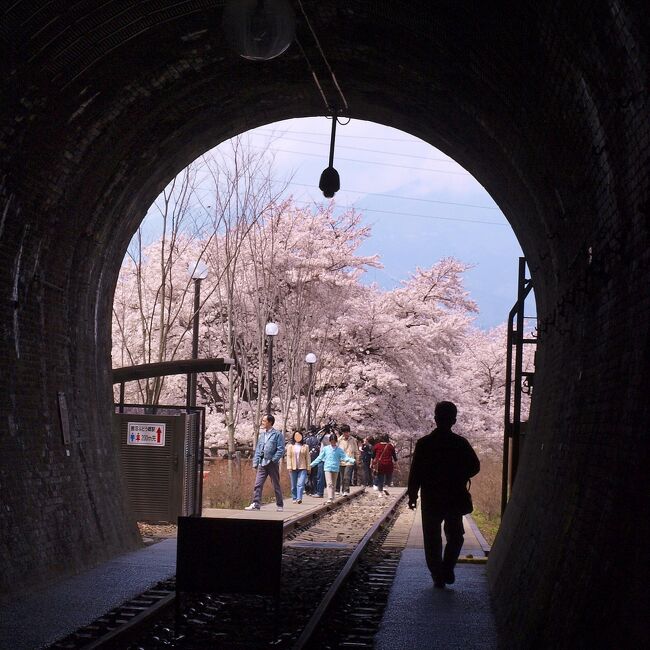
(267, 457)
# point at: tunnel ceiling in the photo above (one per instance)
(143, 88)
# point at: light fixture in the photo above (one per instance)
(271, 331)
(259, 30)
(310, 360)
(330, 183)
(197, 270)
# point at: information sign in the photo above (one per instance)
(146, 433)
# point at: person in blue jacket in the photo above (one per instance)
(331, 455)
(266, 459)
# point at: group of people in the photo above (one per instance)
(442, 464)
(321, 461)
(378, 458)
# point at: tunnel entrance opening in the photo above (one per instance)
(226, 210)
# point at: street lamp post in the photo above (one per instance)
(310, 360)
(198, 271)
(271, 331)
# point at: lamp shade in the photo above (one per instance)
(311, 358)
(271, 329)
(259, 30)
(330, 183)
(197, 270)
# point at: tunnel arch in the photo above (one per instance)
(546, 105)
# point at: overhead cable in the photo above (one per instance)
(320, 49)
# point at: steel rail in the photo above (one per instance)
(128, 631)
(296, 522)
(321, 610)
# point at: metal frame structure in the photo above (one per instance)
(189, 367)
(517, 385)
(185, 366)
(169, 409)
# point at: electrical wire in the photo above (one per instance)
(320, 49)
(313, 73)
(411, 214)
(365, 162)
(391, 153)
(358, 137)
(407, 198)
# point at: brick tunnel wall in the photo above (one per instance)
(565, 570)
(546, 105)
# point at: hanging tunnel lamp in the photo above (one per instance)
(259, 30)
(330, 183)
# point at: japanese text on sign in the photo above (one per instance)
(146, 433)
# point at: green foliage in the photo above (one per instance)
(488, 525)
(486, 494)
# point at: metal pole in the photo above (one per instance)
(311, 377)
(197, 505)
(333, 138)
(507, 428)
(195, 336)
(122, 397)
(201, 462)
(269, 377)
(519, 337)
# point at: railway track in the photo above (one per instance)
(337, 563)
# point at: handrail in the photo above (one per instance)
(182, 367)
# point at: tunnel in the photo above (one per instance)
(544, 102)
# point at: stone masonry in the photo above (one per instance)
(545, 103)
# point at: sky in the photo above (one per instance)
(422, 206)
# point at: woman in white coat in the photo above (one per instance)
(298, 465)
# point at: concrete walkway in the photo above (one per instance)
(47, 615)
(420, 617)
(268, 510)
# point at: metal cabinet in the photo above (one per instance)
(159, 456)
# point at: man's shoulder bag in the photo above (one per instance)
(465, 505)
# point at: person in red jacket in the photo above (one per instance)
(442, 464)
(383, 464)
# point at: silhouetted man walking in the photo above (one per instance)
(442, 464)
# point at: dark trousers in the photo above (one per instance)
(366, 474)
(346, 477)
(320, 479)
(272, 470)
(454, 532)
(310, 484)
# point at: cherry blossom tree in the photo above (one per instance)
(478, 382)
(296, 264)
(244, 195)
(152, 301)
